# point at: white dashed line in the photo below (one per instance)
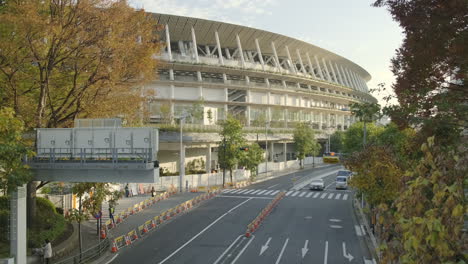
(275, 192)
(294, 194)
(323, 195)
(338, 195)
(330, 196)
(268, 192)
(288, 193)
(316, 195)
(345, 196)
(261, 192)
(309, 195)
(256, 191)
(302, 194)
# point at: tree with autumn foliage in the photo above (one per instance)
(64, 59)
(424, 222)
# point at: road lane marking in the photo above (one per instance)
(261, 192)
(272, 186)
(236, 191)
(244, 197)
(275, 192)
(308, 180)
(227, 249)
(358, 230)
(325, 259)
(288, 193)
(249, 191)
(330, 196)
(112, 259)
(345, 196)
(302, 194)
(334, 220)
(329, 185)
(282, 251)
(228, 191)
(243, 191)
(203, 231)
(336, 226)
(243, 249)
(309, 195)
(323, 195)
(338, 195)
(316, 195)
(268, 192)
(264, 247)
(363, 230)
(294, 194)
(256, 191)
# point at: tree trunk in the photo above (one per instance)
(31, 203)
(230, 173)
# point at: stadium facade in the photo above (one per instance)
(261, 78)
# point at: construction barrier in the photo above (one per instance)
(132, 235)
(263, 214)
(118, 243)
(109, 224)
(142, 230)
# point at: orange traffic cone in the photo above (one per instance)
(127, 240)
(103, 233)
(114, 247)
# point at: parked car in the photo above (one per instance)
(317, 185)
(341, 182)
(345, 173)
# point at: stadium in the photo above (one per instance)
(268, 81)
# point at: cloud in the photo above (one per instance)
(242, 12)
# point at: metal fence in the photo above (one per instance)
(87, 255)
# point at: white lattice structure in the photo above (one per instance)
(253, 74)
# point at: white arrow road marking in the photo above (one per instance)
(282, 250)
(325, 259)
(305, 249)
(336, 226)
(346, 255)
(265, 247)
(358, 230)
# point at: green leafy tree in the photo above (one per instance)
(13, 172)
(250, 158)
(336, 141)
(352, 140)
(304, 141)
(366, 113)
(232, 139)
(197, 111)
(90, 195)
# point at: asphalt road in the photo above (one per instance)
(306, 227)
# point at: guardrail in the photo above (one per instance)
(87, 255)
(153, 223)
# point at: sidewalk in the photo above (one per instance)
(89, 233)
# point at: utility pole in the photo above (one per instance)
(224, 159)
(266, 148)
(182, 154)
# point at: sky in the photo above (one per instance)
(353, 29)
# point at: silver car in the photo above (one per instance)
(317, 185)
(341, 182)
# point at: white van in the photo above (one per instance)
(341, 182)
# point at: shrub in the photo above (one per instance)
(50, 224)
(4, 219)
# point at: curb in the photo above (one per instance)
(369, 238)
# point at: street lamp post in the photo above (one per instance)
(266, 148)
(182, 153)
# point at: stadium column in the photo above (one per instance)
(291, 63)
(339, 75)
(321, 120)
(310, 65)
(356, 81)
(195, 48)
(326, 70)
(335, 79)
(241, 53)
(220, 52)
(353, 84)
(303, 70)
(319, 68)
(260, 56)
(277, 63)
(344, 77)
(168, 43)
(285, 149)
(208, 159)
